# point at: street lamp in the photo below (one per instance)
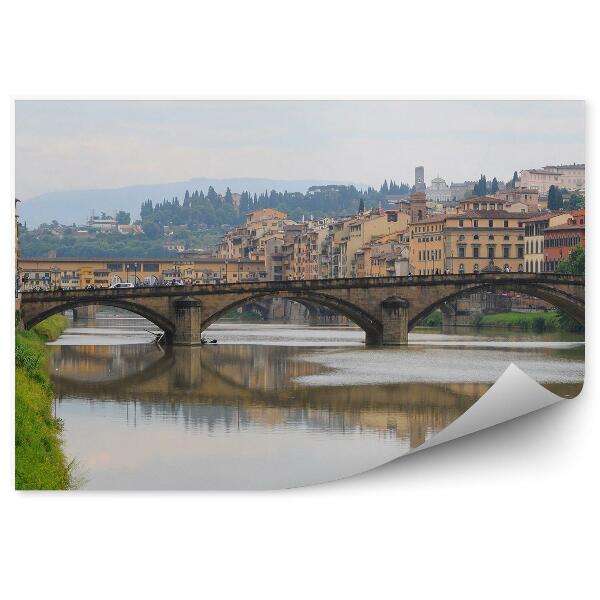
(127, 271)
(226, 263)
(135, 273)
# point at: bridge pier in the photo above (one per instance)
(188, 322)
(395, 321)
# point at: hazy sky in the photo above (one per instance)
(65, 145)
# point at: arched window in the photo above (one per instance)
(475, 237)
(536, 267)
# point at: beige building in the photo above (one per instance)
(528, 197)
(426, 240)
(244, 241)
(570, 177)
(385, 256)
(349, 236)
(467, 242)
(72, 273)
(533, 230)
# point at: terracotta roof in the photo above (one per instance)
(566, 226)
(433, 219)
(487, 214)
(543, 216)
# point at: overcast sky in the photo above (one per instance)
(66, 145)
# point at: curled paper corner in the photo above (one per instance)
(514, 394)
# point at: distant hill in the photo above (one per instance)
(76, 206)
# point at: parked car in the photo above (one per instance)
(121, 285)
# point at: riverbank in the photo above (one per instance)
(540, 321)
(40, 463)
(551, 320)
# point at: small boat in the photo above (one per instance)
(157, 336)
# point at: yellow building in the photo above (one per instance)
(484, 240)
(426, 241)
(350, 236)
(467, 242)
(77, 272)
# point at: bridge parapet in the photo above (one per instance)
(386, 308)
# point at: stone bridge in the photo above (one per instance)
(386, 308)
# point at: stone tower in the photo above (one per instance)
(419, 179)
(418, 207)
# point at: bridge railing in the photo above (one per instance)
(339, 282)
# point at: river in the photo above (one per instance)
(273, 405)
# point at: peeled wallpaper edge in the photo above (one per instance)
(514, 394)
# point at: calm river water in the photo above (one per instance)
(273, 405)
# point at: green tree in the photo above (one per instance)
(555, 200)
(576, 201)
(152, 231)
(123, 218)
(574, 264)
(361, 205)
(494, 185)
(480, 188)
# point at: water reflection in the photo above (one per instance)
(261, 415)
(203, 386)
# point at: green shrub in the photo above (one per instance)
(40, 462)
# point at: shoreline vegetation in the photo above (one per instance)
(40, 462)
(539, 321)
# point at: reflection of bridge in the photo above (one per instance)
(386, 308)
(227, 382)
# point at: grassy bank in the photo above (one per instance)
(533, 321)
(433, 319)
(551, 320)
(40, 463)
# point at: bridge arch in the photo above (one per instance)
(569, 304)
(143, 311)
(372, 327)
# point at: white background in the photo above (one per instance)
(506, 513)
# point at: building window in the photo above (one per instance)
(491, 252)
(475, 223)
(491, 223)
(519, 251)
(475, 251)
(506, 252)
(461, 252)
(461, 223)
(506, 223)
